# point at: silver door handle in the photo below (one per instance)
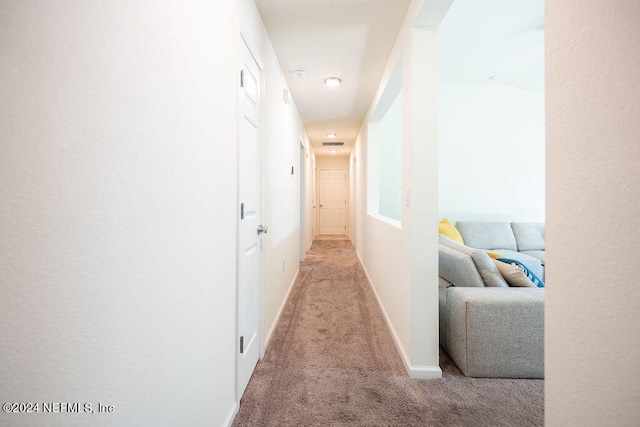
(262, 229)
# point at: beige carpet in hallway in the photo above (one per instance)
(332, 362)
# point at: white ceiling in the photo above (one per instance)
(502, 38)
(352, 39)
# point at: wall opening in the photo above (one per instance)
(384, 173)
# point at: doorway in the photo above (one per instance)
(332, 195)
(249, 227)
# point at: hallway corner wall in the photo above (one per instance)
(400, 261)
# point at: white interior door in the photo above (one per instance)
(333, 201)
(249, 192)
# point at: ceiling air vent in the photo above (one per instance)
(332, 144)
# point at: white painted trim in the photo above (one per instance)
(231, 415)
(415, 372)
(392, 222)
(244, 34)
(304, 144)
(280, 310)
(425, 372)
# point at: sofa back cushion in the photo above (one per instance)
(529, 235)
(458, 268)
(487, 235)
(483, 263)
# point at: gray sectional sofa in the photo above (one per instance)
(488, 328)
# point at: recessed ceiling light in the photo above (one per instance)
(331, 135)
(333, 81)
(300, 73)
(333, 151)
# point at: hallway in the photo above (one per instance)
(333, 362)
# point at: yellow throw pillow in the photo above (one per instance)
(494, 255)
(449, 230)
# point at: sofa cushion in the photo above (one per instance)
(443, 283)
(520, 266)
(486, 268)
(514, 275)
(529, 235)
(445, 227)
(535, 254)
(458, 268)
(532, 263)
(487, 235)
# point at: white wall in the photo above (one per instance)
(282, 130)
(491, 153)
(332, 162)
(592, 333)
(353, 201)
(400, 261)
(492, 130)
(118, 209)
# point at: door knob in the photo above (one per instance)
(262, 229)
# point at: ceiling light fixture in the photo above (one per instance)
(333, 151)
(333, 81)
(331, 135)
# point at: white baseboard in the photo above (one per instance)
(415, 372)
(280, 310)
(231, 415)
(403, 354)
(425, 372)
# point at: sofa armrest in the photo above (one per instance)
(495, 332)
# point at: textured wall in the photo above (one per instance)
(118, 187)
(593, 227)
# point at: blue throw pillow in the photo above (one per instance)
(535, 279)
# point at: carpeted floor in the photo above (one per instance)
(332, 362)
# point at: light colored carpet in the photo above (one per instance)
(332, 362)
(332, 237)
